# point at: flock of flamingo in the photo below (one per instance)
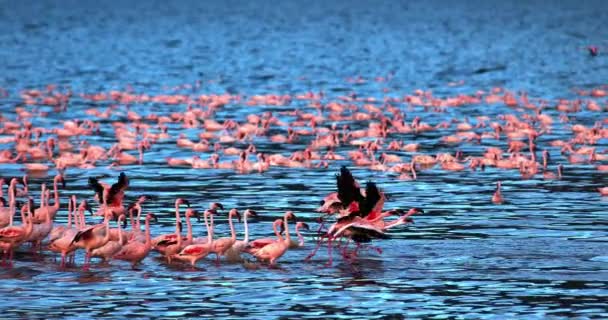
(377, 134)
(360, 219)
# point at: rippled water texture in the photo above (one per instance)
(541, 254)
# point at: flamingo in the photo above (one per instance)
(295, 244)
(135, 251)
(194, 252)
(221, 245)
(275, 250)
(173, 246)
(107, 251)
(112, 201)
(93, 237)
(234, 253)
(497, 197)
(7, 213)
(40, 213)
(41, 230)
(170, 236)
(63, 242)
(13, 236)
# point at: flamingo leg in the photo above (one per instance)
(314, 251)
(62, 260)
(10, 258)
(217, 259)
(330, 262)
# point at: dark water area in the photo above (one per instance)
(542, 254)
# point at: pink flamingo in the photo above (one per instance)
(40, 213)
(93, 237)
(166, 238)
(275, 250)
(136, 251)
(13, 236)
(221, 245)
(107, 251)
(194, 252)
(234, 253)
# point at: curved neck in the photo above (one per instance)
(138, 219)
(287, 237)
(11, 195)
(276, 232)
(107, 236)
(132, 220)
(233, 234)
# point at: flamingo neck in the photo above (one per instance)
(120, 229)
(148, 240)
(189, 226)
(300, 238)
(287, 237)
(42, 195)
(246, 239)
(177, 218)
(276, 232)
(69, 225)
(233, 234)
(209, 235)
(55, 193)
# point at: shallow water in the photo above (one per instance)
(541, 254)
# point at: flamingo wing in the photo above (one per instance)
(118, 187)
(260, 243)
(97, 187)
(11, 232)
(194, 250)
(85, 234)
(372, 197)
(348, 188)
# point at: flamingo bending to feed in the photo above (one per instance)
(112, 200)
(13, 236)
(108, 250)
(274, 250)
(194, 252)
(61, 240)
(40, 213)
(135, 251)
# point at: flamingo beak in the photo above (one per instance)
(305, 226)
(252, 213)
(282, 229)
(124, 223)
(219, 205)
(186, 202)
(197, 215)
(238, 216)
(179, 226)
(62, 179)
(87, 207)
(155, 217)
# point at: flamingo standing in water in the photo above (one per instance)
(13, 236)
(274, 250)
(107, 251)
(234, 253)
(172, 246)
(39, 214)
(197, 251)
(93, 237)
(221, 245)
(61, 241)
(7, 213)
(166, 238)
(136, 251)
(295, 244)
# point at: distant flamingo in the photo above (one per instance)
(497, 197)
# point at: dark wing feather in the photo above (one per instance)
(369, 232)
(348, 189)
(121, 185)
(97, 187)
(372, 196)
(83, 235)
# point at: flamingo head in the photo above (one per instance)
(415, 211)
(193, 213)
(216, 205)
(289, 215)
(61, 179)
(233, 212)
(179, 201)
(250, 213)
(303, 225)
(152, 216)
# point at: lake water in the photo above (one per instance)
(543, 254)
